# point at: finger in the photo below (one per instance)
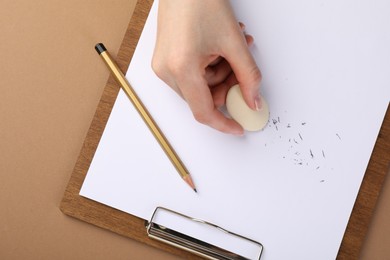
(218, 73)
(249, 40)
(220, 91)
(246, 70)
(198, 96)
(220, 68)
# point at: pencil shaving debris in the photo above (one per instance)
(296, 143)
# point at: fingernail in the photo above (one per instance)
(258, 102)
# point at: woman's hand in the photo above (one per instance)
(200, 52)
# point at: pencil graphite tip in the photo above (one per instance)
(188, 180)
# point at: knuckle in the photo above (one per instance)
(256, 75)
(252, 80)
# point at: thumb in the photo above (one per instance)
(247, 73)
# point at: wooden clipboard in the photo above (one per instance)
(133, 227)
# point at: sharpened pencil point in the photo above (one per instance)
(188, 180)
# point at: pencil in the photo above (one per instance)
(121, 79)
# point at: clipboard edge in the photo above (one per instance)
(92, 212)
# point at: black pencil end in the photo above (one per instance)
(100, 48)
(195, 191)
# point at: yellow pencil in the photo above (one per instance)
(121, 79)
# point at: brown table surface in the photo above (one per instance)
(51, 82)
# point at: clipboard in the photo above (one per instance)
(133, 227)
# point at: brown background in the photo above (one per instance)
(51, 80)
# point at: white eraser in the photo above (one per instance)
(250, 120)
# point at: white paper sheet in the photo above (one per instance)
(292, 186)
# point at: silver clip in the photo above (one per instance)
(192, 244)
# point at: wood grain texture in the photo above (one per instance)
(370, 189)
(133, 227)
